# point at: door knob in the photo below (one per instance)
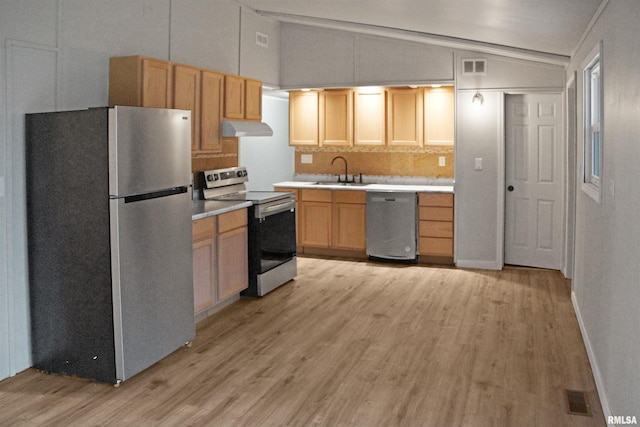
(510, 188)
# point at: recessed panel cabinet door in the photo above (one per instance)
(186, 96)
(212, 97)
(336, 118)
(253, 99)
(233, 267)
(233, 97)
(404, 115)
(369, 117)
(156, 84)
(303, 118)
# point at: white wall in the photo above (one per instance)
(606, 286)
(269, 159)
(54, 55)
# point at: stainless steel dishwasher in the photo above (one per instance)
(391, 225)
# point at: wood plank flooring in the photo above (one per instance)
(351, 343)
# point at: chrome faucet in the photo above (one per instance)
(346, 171)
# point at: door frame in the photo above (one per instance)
(503, 165)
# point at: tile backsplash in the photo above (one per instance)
(385, 161)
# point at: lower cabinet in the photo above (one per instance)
(220, 259)
(435, 227)
(332, 219)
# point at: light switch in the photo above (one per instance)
(442, 161)
(478, 165)
(306, 158)
(612, 187)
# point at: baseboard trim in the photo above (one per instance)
(602, 396)
(481, 265)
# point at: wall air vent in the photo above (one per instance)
(262, 39)
(472, 67)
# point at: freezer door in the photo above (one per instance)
(152, 270)
(149, 149)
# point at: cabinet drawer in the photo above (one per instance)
(201, 228)
(350, 196)
(436, 246)
(436, 229)
(316, 195)
(431, 213)
(230, 220)
(435, 199)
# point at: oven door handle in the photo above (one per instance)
(262, 212)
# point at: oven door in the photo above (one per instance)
(272, 236)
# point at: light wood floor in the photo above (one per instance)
(351, 343)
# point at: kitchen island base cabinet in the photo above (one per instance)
(220, 261)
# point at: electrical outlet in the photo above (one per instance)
(306, 158)
(442, 161)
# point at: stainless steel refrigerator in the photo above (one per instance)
(109, 239)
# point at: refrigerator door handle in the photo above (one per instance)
(156, 194)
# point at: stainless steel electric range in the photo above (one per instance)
(271, 223)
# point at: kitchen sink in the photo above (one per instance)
(346, 184)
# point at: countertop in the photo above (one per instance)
(369, 187)
(204, 208)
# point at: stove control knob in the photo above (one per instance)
(212, 177)
(239, 174)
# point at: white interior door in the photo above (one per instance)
(534, 172)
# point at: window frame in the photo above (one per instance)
(592, 103)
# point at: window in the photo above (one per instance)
(592, 107)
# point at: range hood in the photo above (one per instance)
(241, 128)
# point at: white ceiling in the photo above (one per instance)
(546, 26)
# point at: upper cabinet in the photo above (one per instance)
(303, 118)
(242, 98)
(140, 81)
(252, 99)
(209, 95)
(336, 118)
(233, 97)
(186, 96)
(404, 115)
(372, 116)
(438, 115)
(369, 116)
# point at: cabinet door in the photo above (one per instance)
(233, 97)
(404, 114)
(303, 118)
(233, 267)
(211, 104)
(186, 96)
(316, 224)
(369, 122)
(349, 226)
(204, 274)
(156, 84)
(253, 100)
(336, 118)
(438, 116)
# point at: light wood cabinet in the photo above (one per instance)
(303, 118)
(404, 117)
(349, 220)
(140, 81)
(233, 97)
(435, 228)
(336, 118)
(220, 259)
(233, 267)
(315, 218)
(212, 102)
(439, 115)
(205, 280)
(253, 99)
(186, 96)
(369, 117)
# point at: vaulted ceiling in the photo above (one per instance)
(552, 27)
